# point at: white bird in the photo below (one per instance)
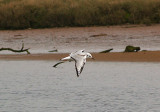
(80, 59)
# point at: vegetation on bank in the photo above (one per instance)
(22, 14)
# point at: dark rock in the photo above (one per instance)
(132, 49)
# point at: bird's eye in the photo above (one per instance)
(83, 51)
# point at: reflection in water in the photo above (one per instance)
(35, 86)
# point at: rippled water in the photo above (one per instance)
(35, 86)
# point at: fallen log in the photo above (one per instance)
(53, 50)
(106, 51)
(18, 51)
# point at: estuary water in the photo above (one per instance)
(35, 86)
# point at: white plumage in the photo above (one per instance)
(80, 59)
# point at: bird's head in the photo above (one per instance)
(88, 55)
(82, 51)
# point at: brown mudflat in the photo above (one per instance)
(143, 56)
(92, 39)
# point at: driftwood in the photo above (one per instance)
(99, 35)
(106, 51)
(18, 51)
(53, 50)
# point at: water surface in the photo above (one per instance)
(35, 86)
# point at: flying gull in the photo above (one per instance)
(80, 59)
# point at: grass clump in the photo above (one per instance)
(22, 14)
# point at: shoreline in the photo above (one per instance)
(75, 38)
(92, 39)
(142, 56)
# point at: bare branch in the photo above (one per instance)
(13, 50)
(106, 51)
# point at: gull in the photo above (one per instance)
(80, 59)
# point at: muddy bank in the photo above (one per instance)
(92, 39)
(144, 56)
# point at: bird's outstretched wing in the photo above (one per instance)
(79, 64)
(55, 66)
(66, 58)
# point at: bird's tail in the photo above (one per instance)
(66, 58)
